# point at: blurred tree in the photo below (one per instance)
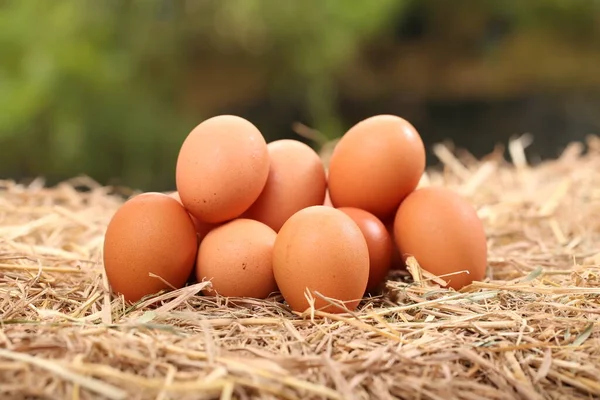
(79, 90)
(303, 44)
(110, 88)
(481, 49)
(95, 87)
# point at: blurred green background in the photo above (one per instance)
(110, 88)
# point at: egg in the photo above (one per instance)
(296, 181)
(202, 228)
(376, 164)
(237, 257)
(443, 232)
(397, 262)
(379, 243)
(222, 168)
(150, 233)
(321, 249)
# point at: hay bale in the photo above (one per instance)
(529, 331)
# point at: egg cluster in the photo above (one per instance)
(257, 218)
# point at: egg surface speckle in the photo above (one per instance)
(202, 228)
(323, 250)
(443, 232)
(237, 257)
(149, 233)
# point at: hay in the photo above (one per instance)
(529, 331)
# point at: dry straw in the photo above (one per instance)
(529, 331)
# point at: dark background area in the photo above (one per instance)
(110, 89)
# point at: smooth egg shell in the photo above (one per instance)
(321, 249)
(397, 262)
(376, 164)
(149, 233)
(379, 243)
(222, 168)
(296, 181)
(444, 234)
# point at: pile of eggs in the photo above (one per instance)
(256, 218)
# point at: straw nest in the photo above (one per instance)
(529, 331)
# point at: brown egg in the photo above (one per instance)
(222, 168)
(202, 228)
(379, 243)
(296, 181)
(238, 258)
(376, 164)
(321, 249)
(443, 232)
(397, 262)
(150, 233)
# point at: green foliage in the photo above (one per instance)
(97, 87)
(94, 86)
(307, 42)
(76, 94)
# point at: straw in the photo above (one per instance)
(530, 330)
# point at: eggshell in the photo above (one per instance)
(149, 233)
(397, 262)
(379, 243)
(222, 168)
(321, 249)
(238, 259)
(376, 164)
(443, 232)
(296, 181)
(202, 228)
